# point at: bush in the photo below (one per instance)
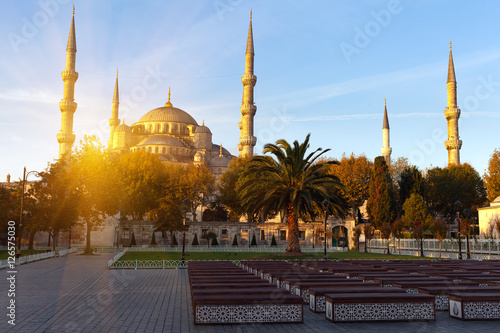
(235, 241)
(132, 241)
(273, 241)
(153, 239)
(174, 240)
(254, 241)
(195, 240)
(214, 241)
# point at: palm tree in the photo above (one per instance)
(291, 182)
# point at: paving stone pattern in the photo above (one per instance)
(79, 294)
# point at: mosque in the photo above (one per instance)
(166, 131)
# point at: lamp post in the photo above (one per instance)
(325, 208)
(466, 214)
(185, 203)
(458, 204)
(19, 231)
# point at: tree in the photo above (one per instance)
(169, 216)
(197, 183)
(385, 232)
(132, 241)
(153, 239)
(143, 177)
(273, 241)
(215, 212)
(439, 230)
(444, 187)
(354, 173)
(235, 241)
(209, 235)
(416, 217)
(398, 228)
(93, 174)
(492, 176)
(291, 182)
(396, 169)
(381, 205)
(356, 233)
(195, 240)
(411, 181)
(369, 233)
(254, 241)
(214, 241)
(227, 186)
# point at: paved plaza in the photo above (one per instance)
(79, 294)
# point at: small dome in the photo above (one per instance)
(162, 140)
(122, 128)
(203, 129)
(219, 161)
(225, 152)
(168, 113)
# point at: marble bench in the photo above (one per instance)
(441, 293)
(474, 306)
(363, 307)
(302, 288)
(244, 308)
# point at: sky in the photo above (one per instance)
(322, 67)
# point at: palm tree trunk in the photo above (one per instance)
(293, 244)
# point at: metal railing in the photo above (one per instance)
(36, 257)
(229, 248)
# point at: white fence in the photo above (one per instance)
(39, 256)
(479, 248)
(218, 248)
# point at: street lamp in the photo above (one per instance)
(185, 203)
(466, 214)
(457, 205)
(25, 176)
(325, 208)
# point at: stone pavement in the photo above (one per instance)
(79, 294)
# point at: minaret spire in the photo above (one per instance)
(248, 109)
(452, 114)
(67, 105)
(386, 149)
(168, 101)
(114, 121)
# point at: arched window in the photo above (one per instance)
(156, 150)
(164, 150)
(165, 128)
(157, 128)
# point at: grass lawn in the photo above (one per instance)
(5, 254)
(254, 256)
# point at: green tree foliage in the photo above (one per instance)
(174, 239)
(227, 186)
(209, 235)
(7, 212)
(195, 240)
(444, 187)
(381, 205)
(292, 182)
(215, 211)
(94, 175)
(143, 177)
(196, 184)
(411, 181)
(235, 241)
(169, 216)
(492, 176)
(416, 216)
(153, 239)
(214, 241)
(354, 173)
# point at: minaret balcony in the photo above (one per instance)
(248, 110)
(248, 140)
(248, 79)
(452, 113)
(69, 75)
(453, 144)
(65, 137)
(67, 106)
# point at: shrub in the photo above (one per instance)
(214, 241)
(254, 241)
(153, 239)
(235, 241)
(273, 241)
(174, 240)
(132, 241)
(195, 240)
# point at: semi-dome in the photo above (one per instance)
(219, 161)
(203, 129)
(162, 140)
(168, 113)
(122, 128)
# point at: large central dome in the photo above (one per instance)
(169, 114)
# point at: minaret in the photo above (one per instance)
(67, 105)
(114, 121)
(452, 113)
(248, 109)
(386, 149)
